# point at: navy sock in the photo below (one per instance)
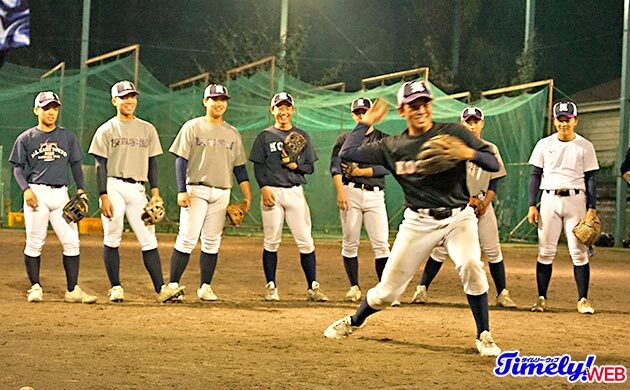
(363, 312)
(179, 262)
(379, 265)
(431, 269)
(71, 266)
(111, 257)
(543, 276)
(32, 265)
(309, 267)
(497, 270)
(479, 307)
(207, 265)
(270, 263)
(351, 264)
(154, 266)
(582, 275)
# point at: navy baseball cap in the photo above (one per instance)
(413, 90)
(360, 104)
(45, 98)
(472, 112)
(215, 90)
(565, 108)
(123, 88)
(281, 97)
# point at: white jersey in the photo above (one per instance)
(478, 180)
(564, 162)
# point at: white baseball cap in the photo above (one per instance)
(45, 98)
(123, 88)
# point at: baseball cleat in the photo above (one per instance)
(35, 294)
(116, 294)
(420, 295)
(271, 293)
(205, 293)
(341, 329)
(354, 294)
(315, 294)
(540, 305)
(79, 296)
(168, 293)
(396, 303)
(486, 346)
(584, 306)
(504, 299)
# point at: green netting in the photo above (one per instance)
(513, 123)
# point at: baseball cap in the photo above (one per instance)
(565, 108)
(45, 98)
(413, 90)
(281, 97)
(472, 112)
(360, 104)
(215, 90)
(123, 88)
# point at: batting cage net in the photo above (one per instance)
(513, 123)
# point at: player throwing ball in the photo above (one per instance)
(280, 178)
(208, 151)
(41, 157)
(437, 205)
(125, 149)
(361, 200)
(563, 168)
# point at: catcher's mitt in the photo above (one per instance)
(588, 229)
(76, 208)
(153, 211)
(293, 145)
(236, 213)
(432, 158)
(348, 168)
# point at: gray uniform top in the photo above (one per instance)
(127, 146)
(212, 152)
(478, 180)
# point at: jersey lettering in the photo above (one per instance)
(48, 151)
(214, 142)
(130, 141)
(276, 146)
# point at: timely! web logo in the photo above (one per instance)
(510, 363)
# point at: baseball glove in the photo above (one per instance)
(588, 229)
(76, 208)
(476, 204)
(153, 211)
(348, 168)
(236, 213)
(293, 145)
(432, 158)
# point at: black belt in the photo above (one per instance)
(200, 183)
(365, 187)
(128, 180)
(440, 212)
(50, 185)
(563, 192)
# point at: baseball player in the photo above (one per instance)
(482, 187)
(208, 151)
(437, 210)
(282, 196)
(125, 149)
(41, 157)
(563, 168)
(360, 199)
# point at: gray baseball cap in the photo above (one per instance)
(45, 98)
(123, 88)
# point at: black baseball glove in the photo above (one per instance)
(76, 208)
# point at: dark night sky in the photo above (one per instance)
(580, 40)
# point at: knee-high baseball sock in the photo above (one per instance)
(309, 267)
(431, 269)
(32, 268)
(363, 312)
(179, 261)
(351, 264)
(479, 307)
(111, 257)
(497, 270)
(379, 265)
(270, 263)
(154, 266)
(207, 265)
(543, 276)
(582, 275)
(71, 266)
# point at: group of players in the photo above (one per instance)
(447, 213)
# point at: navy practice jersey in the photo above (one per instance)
(378, 180)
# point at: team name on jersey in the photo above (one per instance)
(48, 151)
(130, 141)
(407, 167)
(276, 146)
(214, 142)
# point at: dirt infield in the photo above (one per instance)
(242, 341)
